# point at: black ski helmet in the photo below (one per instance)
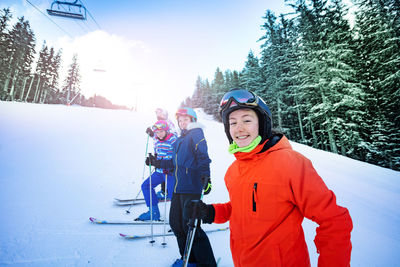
(239, 98)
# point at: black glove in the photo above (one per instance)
(206, 182)
(153, 161)
(198, 209)
(149, 131)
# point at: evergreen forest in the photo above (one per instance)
(330, 84)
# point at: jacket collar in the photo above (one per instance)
(258, 152)
(166, 138)
(191, 126)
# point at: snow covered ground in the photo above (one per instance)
(60, 165)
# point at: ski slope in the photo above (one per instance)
(60, 165)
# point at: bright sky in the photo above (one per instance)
(152, 51)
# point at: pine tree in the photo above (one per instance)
(47, 69)
(5, 44)
(251, 74)
(72, 82)
(348, 96)
(207, 100)
(54, 68)
(40, 78)
(378, 50)
(208, 96)
(278, 64)
(197, 97)
(19, 58)
(231, 79)
(218, 89)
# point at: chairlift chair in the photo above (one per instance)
(70, 10)
(99, 67)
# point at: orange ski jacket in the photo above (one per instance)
(270, 194)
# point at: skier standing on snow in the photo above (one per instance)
(162, 114)
(271, 189)
(192, 169)
(164, 141)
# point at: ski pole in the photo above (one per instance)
(192, 230)
(165, 208)
(130, 206)
(189, 239)
(133, 201)
(144, 167)
(145, 154)
(151, 203)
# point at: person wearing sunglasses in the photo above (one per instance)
(163, 149)
(271, 189)
(191, 165)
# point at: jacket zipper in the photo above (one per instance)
(255, 197)
(176, 172)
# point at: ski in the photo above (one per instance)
(135, 202)
(127, 199)
(129, 203)
(97, 221)
(135, 237)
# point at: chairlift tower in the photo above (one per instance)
(66, 9)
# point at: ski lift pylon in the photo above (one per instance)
(70, 10)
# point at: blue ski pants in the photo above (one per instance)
(156, 179)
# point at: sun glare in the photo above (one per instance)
(118, 69)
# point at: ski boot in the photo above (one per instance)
(179, 263)
(146, 216)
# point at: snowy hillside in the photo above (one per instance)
(60, 165)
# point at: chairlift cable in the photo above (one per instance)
(91, 15)
(87, 30)
(85, 26)
(49, 18)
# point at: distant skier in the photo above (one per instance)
(163, 149)
(271, 189)
(162, 114)
(192, 168)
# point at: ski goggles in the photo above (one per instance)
(240, 97)
(159, 127)
(182, 111)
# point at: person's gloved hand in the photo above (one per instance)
(206, 182)
(153, 161)
(149, 131)
(198, 209)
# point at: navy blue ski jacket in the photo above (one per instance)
(190, 160)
